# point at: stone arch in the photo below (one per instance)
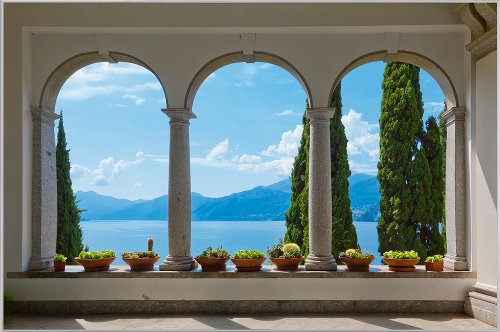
(236, 57)
(62, 73)
(417, 59)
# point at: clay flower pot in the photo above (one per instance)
(212, 264)
(248, 265)
(401, 265)
(141, 264)
(434, 266)
(357, 264)
(286, 264)
(59, 266)
(94, 265)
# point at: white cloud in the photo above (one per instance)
(360, 135)
(108, 169)
(137, 184)
(285, 112)
(78, 171)
(366, 168)
(434, 106)
(138, 100)
(116, 105)
(288, 145)
(99, 72)
(276, 159)
(210, 77)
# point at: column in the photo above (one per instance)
(456, 254)
(179, 193)
(320, 192)
(44, 191)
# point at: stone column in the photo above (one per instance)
(456, 254)
(320, 192)
(179, 193)
(44, 191)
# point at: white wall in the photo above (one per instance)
(486, 171)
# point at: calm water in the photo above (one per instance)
(132, 235)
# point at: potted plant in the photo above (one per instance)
(59, 263)
(248, 260)
(93, 261)
(213, 260)
(356, 260)
(285, 256)
(141, 260)
(401, 261)
(434, 263)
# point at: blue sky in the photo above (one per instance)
(246, 134)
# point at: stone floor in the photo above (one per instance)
(250, 322)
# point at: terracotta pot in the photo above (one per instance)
(248, 265)
(141, 264)
(286, 264)
(59, 266)
(357, 264)
(436, 266)
(212, 264)
(401, 265)
(94, 265)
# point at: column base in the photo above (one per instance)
(455, 263)
(186, 263)
(320, 263)
(38, 263)
(482, 304)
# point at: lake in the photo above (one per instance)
(132, 235)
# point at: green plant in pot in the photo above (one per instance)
(60, 263)
(401, 261)
(213, 259)
(434, 263)
(248, 260)
(142, 260)
(356, 260)
(93, 261)
(285, 256)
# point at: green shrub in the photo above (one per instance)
(59, 258)
(401, 254)
(292, 253)
(291, 247)
(139, 254)
(435, 258)
(96, 254)
(248, 254)
(276, 250)
(210, 253)
(356, 254)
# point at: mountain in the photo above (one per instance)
(260, 203)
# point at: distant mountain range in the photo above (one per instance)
(260, 203)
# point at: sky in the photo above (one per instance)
(247, 131)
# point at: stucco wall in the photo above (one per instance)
(486, 217)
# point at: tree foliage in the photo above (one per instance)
(343, 230)
(69, 233)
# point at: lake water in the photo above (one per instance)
(132, 235)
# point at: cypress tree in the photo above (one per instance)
(69, 232)
(343, 230)
(297, 227)
(433, 147)
(400, 127)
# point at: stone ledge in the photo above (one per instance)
(379, 271)
(238, 306)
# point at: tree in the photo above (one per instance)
(343, 230)
(433, 147)
(400, 126)
(297, 228)
(69, 232)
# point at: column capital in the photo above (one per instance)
(320, 113)
(44, 115)
(179, 114)
(453, 114)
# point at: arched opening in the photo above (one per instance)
(104, 99)
(243, 144)
(361, 89)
